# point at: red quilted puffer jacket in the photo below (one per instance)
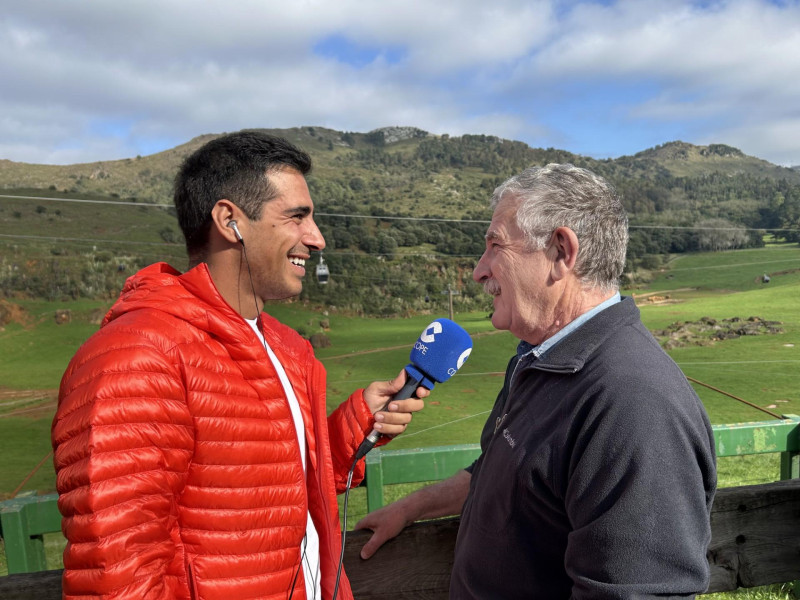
(177, 462)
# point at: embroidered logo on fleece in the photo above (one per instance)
(507, 435)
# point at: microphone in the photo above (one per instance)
(441, 350)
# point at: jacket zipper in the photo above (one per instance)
(193, 595)
(565, 370)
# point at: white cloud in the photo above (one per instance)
(776, 139)
(453, 35)
(736, 42)
(81, 79)
(726, 63)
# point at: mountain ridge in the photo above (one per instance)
(149, 178)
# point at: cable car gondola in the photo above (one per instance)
(322, 271)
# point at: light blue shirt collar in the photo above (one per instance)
(524, 348)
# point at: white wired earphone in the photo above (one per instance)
(232, 224)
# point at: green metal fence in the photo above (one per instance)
(24, 520)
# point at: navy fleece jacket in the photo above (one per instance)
(596, 478)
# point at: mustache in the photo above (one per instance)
(491, 287)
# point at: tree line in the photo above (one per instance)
(439, 186)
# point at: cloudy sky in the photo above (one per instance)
(87, 81)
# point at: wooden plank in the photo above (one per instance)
(414, 565)
(44, 585)
(755, 541)
(755, 536)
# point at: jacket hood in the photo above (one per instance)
(193, 297)
(190, 297)
(163, 287)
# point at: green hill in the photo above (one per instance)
(403, 213)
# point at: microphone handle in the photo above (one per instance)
(407, 391)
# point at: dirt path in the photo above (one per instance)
(662, 292)
(32, 404)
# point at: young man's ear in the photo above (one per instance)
(222, 214)
(564, 248)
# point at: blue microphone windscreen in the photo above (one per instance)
(441, 350)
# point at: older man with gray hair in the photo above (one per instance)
(597, 470)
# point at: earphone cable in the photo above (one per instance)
(349, 474)
(258, 312)
(300, 566)
(314, 573)
(344, 526)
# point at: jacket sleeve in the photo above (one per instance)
(348, 425)
(123, 439)
(638, 498)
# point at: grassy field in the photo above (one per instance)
(760, 369)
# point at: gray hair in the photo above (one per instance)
(568, 196)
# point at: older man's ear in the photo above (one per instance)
(563, 252)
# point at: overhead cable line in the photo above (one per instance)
(88, 240)
(88, 201)
(389, 218)
(181, 245)
(766, 262)
(695, 228)
(413, 433)
(318, 214)
(735, 362)
(338, 275)
(396, 218)
(396, 254)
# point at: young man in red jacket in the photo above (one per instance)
(194, 455)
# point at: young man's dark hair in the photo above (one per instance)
(234, 166)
